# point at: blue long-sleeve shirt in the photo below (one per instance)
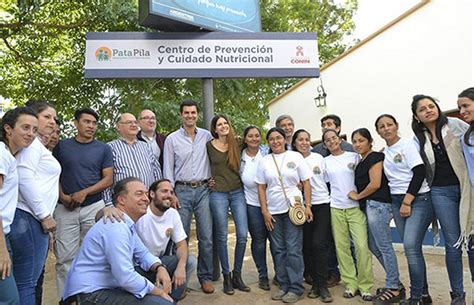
(107, 258)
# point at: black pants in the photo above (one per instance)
(315, 244)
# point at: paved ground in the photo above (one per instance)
(437, 277)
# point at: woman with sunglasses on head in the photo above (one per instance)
(278, 176)
(441, 151)
(252, 152)
(38, 173)
(466, 110)
(315, 233)
(373, 194)
(17, 131)
(411, 201)
(347, 220)
(227, 193)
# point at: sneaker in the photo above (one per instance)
(263, 283)
(325, 295)
(426, 298)
(291, 297)
(411, 301)
(278, 296)
(314, 293)
(457, 299)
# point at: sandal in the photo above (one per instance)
(367, 296)
(388, 297)
(349, 294)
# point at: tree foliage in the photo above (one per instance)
(42, 56)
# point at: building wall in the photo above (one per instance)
(430, 51)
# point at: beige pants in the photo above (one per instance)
(71, 228)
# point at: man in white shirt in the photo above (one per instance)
(161, 227)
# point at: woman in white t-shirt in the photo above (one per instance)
(347, 220)
(38, 173)
(411, 200)
(17, 131)
(315, 233)
(282, 168)
(252, 152)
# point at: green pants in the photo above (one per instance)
(347, 223)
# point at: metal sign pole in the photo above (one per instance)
(208, 98)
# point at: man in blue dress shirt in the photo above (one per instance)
(104, 270)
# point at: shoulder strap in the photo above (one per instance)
(280, 178)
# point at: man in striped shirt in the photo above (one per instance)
(132, 158)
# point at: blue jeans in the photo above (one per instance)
(196, 200)
(8, 290)
(446, 209)
(379, 215)
(220, 203)
(119, 297)
(258, 232)
(30, 248)
(412, 230)
(287, 240)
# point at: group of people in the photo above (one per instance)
(118, 215)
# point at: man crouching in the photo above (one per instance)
(104, 272)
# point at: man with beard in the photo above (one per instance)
(161, 227)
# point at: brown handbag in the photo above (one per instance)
(296, 211)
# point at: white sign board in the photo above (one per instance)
(201, 55)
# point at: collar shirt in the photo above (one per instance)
(133, 160)
(107, 260)
(186, 159)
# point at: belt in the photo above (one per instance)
(194, 183)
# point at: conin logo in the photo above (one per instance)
(300, 58)
(103, 54)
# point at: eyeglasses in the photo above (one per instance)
(130, 122)
(148, 118)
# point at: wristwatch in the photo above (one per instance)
(160, 265)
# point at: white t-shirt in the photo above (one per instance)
(400, 158)
(248, 172)
(319, 188)
(9, 190)
(38, 172)
(156, 231)
(339, 172)
(293, 169)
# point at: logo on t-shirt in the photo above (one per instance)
(291, 165)
(169, 232)
(316, 170)
(397, 158)
(351, 166)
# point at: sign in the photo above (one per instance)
(201, 55)
(193, 15)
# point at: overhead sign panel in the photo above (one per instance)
(193, 15)
(201, 55)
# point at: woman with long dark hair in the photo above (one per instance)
(347, 220)
(252, 152)
(315, 233)
(278, 176)
(18, 129)
(373, 194)
(38, 173)
(466, 110)
(411, 201)
(227, 193)
(446, 174)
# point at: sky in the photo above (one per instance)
(374, 14)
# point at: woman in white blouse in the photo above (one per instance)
(282, 168)
(17, 131)
(38, 173)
